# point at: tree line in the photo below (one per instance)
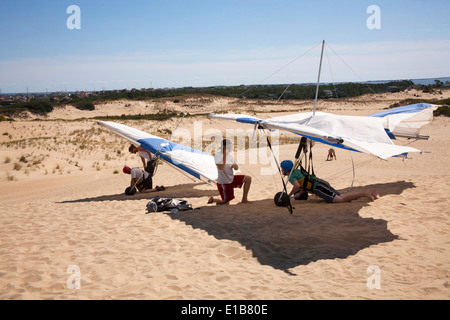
(263, 92)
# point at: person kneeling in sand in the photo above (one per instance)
(142, 180)
(319, 187)
(227, 181)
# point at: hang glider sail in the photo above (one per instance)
(197, 164)
(370, 134)
(367, 134)
(407, 121)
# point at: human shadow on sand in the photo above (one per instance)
(179, 191)
(315, 231)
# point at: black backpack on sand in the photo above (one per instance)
(167, 204)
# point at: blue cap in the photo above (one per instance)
(287, 165)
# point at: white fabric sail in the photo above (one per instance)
(407, 121)
(371, 135)
(194, 162)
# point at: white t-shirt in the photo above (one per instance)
(144, 155)
(226, 175)
(136, 173)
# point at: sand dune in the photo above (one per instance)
(65, 207)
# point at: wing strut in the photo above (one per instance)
(291, 210)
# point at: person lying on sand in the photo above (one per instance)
(140, 179)
(319, 187)
(227, 181)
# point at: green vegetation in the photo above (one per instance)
(160, 116)
(40, 107)
(299, 92)
(157, 116)
(269, 92)
(3, 118)
(295, 91)
(83, 104)
(442, 111)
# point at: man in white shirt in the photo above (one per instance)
(227, 181)
(146, 158)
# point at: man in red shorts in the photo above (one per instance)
(227, 181)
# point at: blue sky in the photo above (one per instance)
(137, 43)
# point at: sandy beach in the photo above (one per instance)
(64, 214)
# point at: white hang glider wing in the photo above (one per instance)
(196, 163)
(367, 134)
(407, 121)
(371, 134)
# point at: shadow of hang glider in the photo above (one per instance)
(316, 231)
(180, 191)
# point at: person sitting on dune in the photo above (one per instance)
(227, 181)
(319, 187)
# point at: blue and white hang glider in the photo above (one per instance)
(197, 164)
(368, 134)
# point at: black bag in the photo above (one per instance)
(167, 204)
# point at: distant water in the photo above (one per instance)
(430, 81)
(424, 82)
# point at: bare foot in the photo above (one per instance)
(375, 194)
(369, 195)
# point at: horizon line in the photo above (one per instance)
(218, 85)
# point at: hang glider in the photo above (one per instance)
(197, 164)
(368, 134)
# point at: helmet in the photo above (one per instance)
(126, 169)
(287, 165)
(152, 206)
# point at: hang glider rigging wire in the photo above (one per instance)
(275, 72)
(290, 208)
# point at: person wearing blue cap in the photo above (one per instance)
(302, 183)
